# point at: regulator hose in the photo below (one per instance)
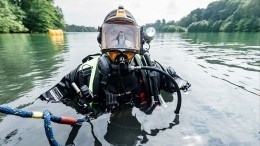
(178, 107)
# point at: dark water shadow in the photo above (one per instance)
(123, 128)
(10, 135)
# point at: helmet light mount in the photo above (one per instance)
(149, 34)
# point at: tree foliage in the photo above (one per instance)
(222, 15)
(162, 26)
(41, 15)
(11, 17)
(75, 28)
(226, 16)
(29, 15)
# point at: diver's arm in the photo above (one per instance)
(166, 84)
(63, 91)
(183, 84)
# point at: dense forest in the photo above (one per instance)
(33, 16)
(75, 28)
(162, 26)
(29, 16)
(219, 16)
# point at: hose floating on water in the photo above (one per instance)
(47, 116)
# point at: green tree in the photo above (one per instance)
(215, 26)
(201, 26)
(75, 28)
(169, 28)
(11, 17)
(41, 15)
(59, 23)
(225, 15)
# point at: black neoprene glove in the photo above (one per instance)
(183, 84)
(85, 96)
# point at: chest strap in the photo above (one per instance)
(112, 98)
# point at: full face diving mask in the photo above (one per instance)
(120, 41)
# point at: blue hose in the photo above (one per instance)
(47, 116)
(48, 128)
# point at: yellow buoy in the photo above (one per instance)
(55, 32)
(56, 36)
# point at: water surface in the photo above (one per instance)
(222, 107)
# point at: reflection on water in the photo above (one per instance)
(234, 54)
(123, 128)
(26, 58)
(220, 109)
(239, 50)
(57, 40)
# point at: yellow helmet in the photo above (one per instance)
(118, 15)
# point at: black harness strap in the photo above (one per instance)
(138, 61)
(112, 98)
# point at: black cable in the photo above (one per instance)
(73, 134)
(96, 142)
(120, 77)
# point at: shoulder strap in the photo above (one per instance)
(90, 57)
(93, 65)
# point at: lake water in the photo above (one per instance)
(222, 108)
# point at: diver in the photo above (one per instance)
(108, 82)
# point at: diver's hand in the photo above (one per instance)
(185, 87)
(183, 84)
(86, 94)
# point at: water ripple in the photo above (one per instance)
(241, 87)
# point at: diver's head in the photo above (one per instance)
(120, 36)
